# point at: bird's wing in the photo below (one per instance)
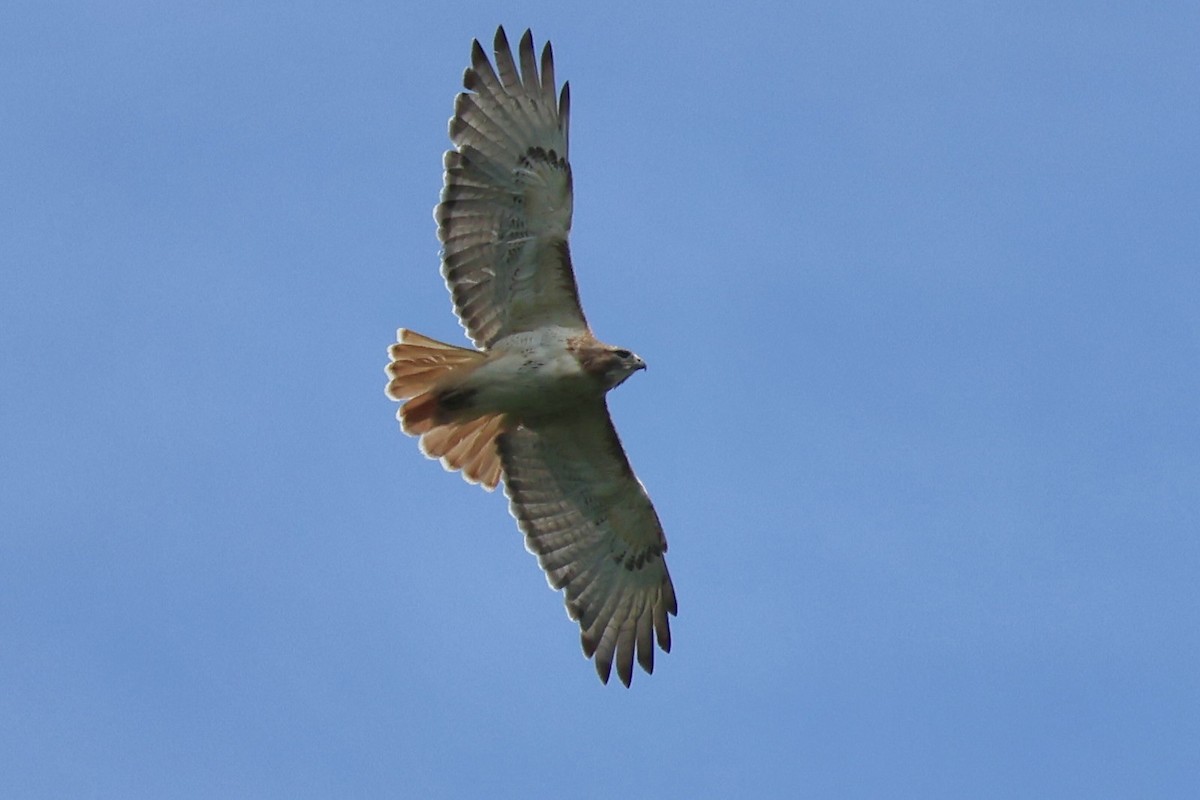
(588, 519)
(505, 209)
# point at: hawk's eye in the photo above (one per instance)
(623, 354)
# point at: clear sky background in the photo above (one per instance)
(919, 287)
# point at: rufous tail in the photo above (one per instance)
(419, 367)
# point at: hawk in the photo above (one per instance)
(528, 405)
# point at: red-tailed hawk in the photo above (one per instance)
(529, 405)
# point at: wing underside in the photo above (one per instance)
(589, 521)
(505, 209)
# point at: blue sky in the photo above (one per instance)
(919, 287)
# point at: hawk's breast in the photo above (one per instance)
(531, 374)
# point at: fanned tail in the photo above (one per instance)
(419, 365)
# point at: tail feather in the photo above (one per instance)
(418, 365)
(468, 446)
(419, 415)
(419, 362)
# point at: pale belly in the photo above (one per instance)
(529, 375)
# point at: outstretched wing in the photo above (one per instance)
(505, 209)
(589, 521)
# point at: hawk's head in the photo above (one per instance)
(610, 366)
(616, 364)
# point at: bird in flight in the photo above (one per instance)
(527, 404)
